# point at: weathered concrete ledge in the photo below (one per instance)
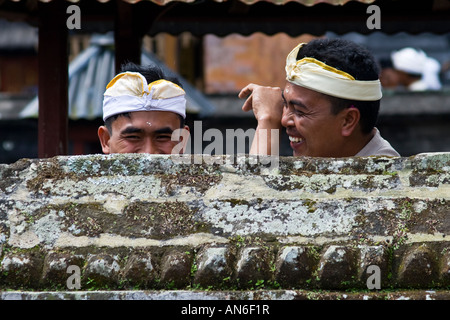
(268, 295)
(238, 224)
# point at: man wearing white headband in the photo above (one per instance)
(329, 105)
(142, 108)
(411, 69)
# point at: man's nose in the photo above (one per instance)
(286, 118)
(149, 147)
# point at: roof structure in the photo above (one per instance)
(91, 71)
(248, 2)
(16, 36)
(223, 17)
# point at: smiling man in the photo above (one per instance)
(142, 108)
(329, 105)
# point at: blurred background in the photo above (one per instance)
(215, 64)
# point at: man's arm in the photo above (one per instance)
(267, 106)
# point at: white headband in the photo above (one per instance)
(316, 75)
(129, 92)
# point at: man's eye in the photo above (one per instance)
(164, 137)
(132, 137)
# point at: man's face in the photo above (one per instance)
(142, 132)
(312, 128)
(389, 78)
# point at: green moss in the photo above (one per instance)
(50, 170)
(9, 174)
(311, 204)
(283, 183)
(331, 190)
(238, 202)
(160, 220)
(201, 182)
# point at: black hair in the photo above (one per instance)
(353, 59)
(151, 73)
(386, 63)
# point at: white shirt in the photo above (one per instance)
(377, 147)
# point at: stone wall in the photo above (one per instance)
(225, 227)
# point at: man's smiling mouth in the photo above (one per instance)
(295, 139)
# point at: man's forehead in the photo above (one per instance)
(304, 97)
(293, 91)
(154, 115)
(149, 119)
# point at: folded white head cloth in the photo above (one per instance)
(316, 75)
(129, 92)
(415, 61)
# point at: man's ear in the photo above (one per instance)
(184, 138)
(181, 136)
(104, 136)
(350, 121)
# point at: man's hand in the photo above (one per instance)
(267, 106)
(266, 103)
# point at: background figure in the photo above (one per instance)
(412, 69)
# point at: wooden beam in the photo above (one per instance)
(53, 79)
(127, 36)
